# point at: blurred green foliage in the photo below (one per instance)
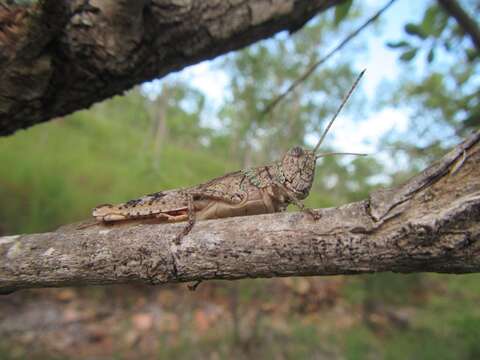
(55, 173)
(440, 84)
(444, 322)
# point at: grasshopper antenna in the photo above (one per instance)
(345, 99)
(339, 153)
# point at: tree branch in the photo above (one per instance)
(464, 20)
(57, 57)
(297, 82)
(431, 223)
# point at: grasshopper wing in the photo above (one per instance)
(168, 205)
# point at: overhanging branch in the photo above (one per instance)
(57, 57)
(431, 223)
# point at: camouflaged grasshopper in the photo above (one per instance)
(260, 190)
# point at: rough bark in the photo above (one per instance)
(60, 56)
(431, 223)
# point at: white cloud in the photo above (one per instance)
(364, 136)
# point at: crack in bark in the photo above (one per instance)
(174, 265)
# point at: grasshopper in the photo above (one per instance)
(259, 190)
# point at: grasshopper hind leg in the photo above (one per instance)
(190, 220)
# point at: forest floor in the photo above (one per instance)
(318, 318)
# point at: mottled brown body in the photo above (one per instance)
(260, 190)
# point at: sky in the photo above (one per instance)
(358, 135)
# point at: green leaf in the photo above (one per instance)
(472, 120)
(416, 30)
(409, 54)
(434, 21)
(440, 23)
(431, 55)
(472, 53)
(397, 44)
(429, 19)
(341, 11)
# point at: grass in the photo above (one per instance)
(55, 173)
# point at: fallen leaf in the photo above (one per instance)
(142, 321)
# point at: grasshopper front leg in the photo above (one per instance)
(298, 203)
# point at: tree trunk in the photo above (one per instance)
(431, 223)
(60, 56)
(158, 115)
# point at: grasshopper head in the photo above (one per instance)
(298, 170)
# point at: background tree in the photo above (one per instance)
(440, 82)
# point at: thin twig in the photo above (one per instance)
(316, 64)
(193, 287)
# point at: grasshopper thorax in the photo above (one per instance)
(297, 170)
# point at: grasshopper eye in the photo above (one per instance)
(296, 151)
